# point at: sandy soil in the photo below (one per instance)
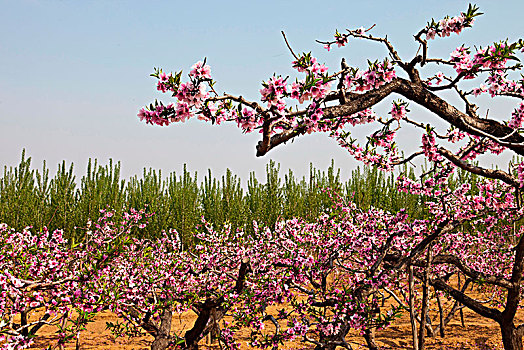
(478, 333)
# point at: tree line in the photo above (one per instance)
(31, 197)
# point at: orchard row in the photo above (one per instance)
(326, 277)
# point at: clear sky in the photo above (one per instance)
(73, 74)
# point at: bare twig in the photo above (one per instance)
(289, 46)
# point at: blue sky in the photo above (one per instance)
(73, 74)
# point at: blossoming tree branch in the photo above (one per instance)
(324, 101)
(333, 102)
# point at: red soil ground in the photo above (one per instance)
(478, 333)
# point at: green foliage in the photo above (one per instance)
(31, 197)
(100, 188)
(62, 199)
(370, 187)
(18, 195)
(183, 201)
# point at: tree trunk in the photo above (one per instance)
(163, 337)
(369, 336)
(23, 322)
(460, 311)
(160, 343)
(412, 312)
(441, 315)
(511, 337)
(425, 302)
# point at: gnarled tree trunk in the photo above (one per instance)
(163, 336)
(511, 336)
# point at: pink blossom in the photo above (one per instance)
(200, 70)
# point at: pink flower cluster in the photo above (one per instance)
(398, 110)
(455, 135)
(316, 85)
(499, 84)
(517, 117)
(163, 82)
(375, 76)
(160, 115)
(447, 26)
(520, 173)
(341, 39)
(200, 70)
(370, 154)
(450, 25)
(363, 117)
(493, 58)
(312, 121)
(248, 120)
(191, 95)
(273, 93)
(480, 90)
(429, 147)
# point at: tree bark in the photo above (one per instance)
(412, 312)
(163, 336)
(440, 316)
(460, 311)
(23, 322)
(211, 311)
(425, 302)
(369, 336)
(511, 337)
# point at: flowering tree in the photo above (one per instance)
(331, 273)
(242, 274)
(334, 102)
(145, 282)
(45, 282)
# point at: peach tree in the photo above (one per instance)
(335, 101)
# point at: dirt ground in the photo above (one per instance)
(478, 333)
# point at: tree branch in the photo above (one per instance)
(489, 173)
(418, 94)
(474, 275)
(474, 305)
